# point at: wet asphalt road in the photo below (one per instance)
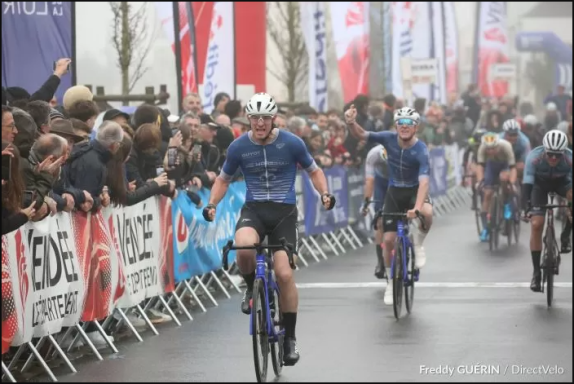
(457, 332)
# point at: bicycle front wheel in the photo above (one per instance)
(411, 273)
(259, 327)
(277, 347)
(398, 272)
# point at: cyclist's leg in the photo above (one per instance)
(490, 181)
(248, 231)
(519, 171)
(420, 234)
(504, 178)
(539, 197)
(381, 186)
(287, 228)
(566, 191)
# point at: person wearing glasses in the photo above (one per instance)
(268, 158)
(496, 165)
(409, 172)
(548, 169)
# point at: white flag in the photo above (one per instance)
(219, 73)
(314, 33)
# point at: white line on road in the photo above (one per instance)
(425, 285)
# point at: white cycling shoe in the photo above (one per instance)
(388, 299)
(420, 256)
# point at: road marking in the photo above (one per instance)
(425, 285)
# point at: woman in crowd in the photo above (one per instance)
(317, 149)
(121, 193)
(13, 216)
(339, 153)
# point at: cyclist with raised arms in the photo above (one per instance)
(520, 143)
(268, 158)
(409, 171)
(377, 180)
(496, 164)
(548, 169)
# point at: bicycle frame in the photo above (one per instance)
(264, 271)
(403, 236)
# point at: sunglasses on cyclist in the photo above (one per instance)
(265, 118)
(554, 155)
(409, 122)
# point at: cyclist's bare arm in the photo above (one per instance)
(481, 161)
(319, 181)
(369, 187)
(218, 190)
(229, 168)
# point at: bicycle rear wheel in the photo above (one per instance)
(410, 286)
(549, 271)
(398, 279)
(277, 347)
(259, 327)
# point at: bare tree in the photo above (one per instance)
(132, 40)
(286, 34)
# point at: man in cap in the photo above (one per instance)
(117, 116)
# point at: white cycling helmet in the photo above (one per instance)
(511, 126)
(407, 113)
(555, 141)
(530, 120)
(261, 104)
(490, 140)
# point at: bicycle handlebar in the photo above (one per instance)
(287, 247)
(404, 215)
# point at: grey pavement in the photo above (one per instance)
(497, 330)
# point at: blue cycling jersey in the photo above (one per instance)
(406, 166)
(521, 147)
(537, 169)
(269, 170)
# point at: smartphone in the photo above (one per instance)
(56, 63)
(6, 167)
(171, 157)
(27, 198)
(159, 171)
(196, 150)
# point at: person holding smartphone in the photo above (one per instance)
(13, 215)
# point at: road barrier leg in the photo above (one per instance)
(7, 373)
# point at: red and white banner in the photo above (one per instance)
(165, 13)
(219, 70)
(451, 46)
(412, 38)
(350, 23)
(66, 268)
(51, 287)
(492, 47)
(315, 35)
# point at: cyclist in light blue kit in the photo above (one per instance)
(548, 169)
(409, 171)
(520, 143)
(268, 158)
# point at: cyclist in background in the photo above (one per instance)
(377, 179)
(496, 164)
(409, 172)
(471, 153)
(548, 169)
(268, 158)
(519, 141)
(533, 130)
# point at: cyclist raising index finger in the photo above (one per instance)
(409, 171)
(268, 158)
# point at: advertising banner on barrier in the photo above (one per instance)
(438, 172)
(136, 231)
(454, 172)
(317, 219)
(198, 244)
(9, 314)
(51, 287)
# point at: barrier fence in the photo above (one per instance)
(73, 269)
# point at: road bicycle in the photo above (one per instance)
(404, 274)
(476, 198)
(551, 252)
(266, 322)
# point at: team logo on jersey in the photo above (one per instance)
(280, 145)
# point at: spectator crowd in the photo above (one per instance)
(61, 160)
